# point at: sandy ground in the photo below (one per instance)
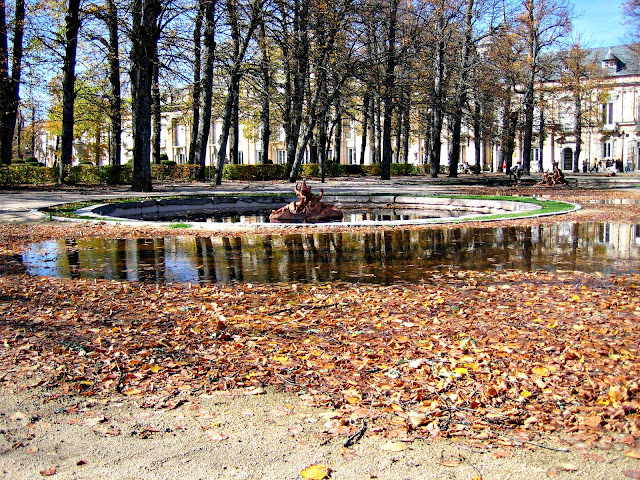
(268, 436)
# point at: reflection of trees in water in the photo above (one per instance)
(150, 257)
(73, 257)
(378, 256)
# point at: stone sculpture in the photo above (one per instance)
(308, 208)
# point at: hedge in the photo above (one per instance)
(254, 172)
(26, 174)
(22, 173)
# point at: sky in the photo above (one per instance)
(599, 22)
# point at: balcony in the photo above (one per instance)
(610, 128)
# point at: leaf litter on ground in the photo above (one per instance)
(503, 357)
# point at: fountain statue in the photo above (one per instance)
(308, 209)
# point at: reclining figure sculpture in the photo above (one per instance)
(308, 209)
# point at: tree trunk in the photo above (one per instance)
(144, 42)
(461, 89)
(578, 129)
(300, 73)
(10, 84)
(365, 117)
(337, 142)
(235, 123)
(156, 114)
(72, 26)
(541, 141)
(527, 139)
(197, 87)
(389, 90)
(406, 128)
(398, 139)
(438, 114)
(265, 111)
(477, 136)
(115, 99)
(208, 52)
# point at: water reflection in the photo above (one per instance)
(378, 257)
(262, 215)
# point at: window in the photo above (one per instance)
(535, 156)
(259, 156)
(240, 158)
(179, 136)
(606, 150)
(351, 155)
(282, 157)
(607, 113)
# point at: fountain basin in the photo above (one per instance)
(466, 209)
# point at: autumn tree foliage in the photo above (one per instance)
(581, 80)
(540, 25)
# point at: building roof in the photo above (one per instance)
(628, 60)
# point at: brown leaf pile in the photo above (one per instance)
(467, 354)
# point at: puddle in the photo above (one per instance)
(379, 257)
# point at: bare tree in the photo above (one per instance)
(240, 39)
(540, 25)
(206, 91)
(145, 32)
(72, 27)
(197, 86)
(10, 80)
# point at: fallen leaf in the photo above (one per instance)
(633, 454)
(17, 416)
(48, 472)
(542, 371)
(394, 447)
(316, 472)
(450, 463)
(503, 454)
(568, 467)
(217, 436)
(632, 474)
(296, 430)
(31, 450)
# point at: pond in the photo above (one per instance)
(382, 257)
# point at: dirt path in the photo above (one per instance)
(238, 436)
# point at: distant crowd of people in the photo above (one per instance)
(610, 167)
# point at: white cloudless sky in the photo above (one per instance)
(599, 22)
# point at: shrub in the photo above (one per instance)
(164, 158)
(403, 169)
(17, 161)
(81, 174)
(372, 170)
(254, 172)
(171, 171)
(354, 169)
(26, 174)
(31, 159)
(310, 170)
(116, 174)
